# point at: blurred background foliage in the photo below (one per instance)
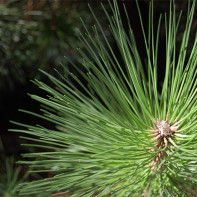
(36, 34)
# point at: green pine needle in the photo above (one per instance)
(103, 144)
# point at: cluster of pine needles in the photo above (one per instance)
(116, 133)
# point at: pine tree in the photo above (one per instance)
(118, 134)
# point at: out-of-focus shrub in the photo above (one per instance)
(37, 34)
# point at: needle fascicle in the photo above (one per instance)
(164, 134)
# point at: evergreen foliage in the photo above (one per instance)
(10, 180)
(103, 143)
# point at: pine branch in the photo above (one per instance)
(117, 135)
